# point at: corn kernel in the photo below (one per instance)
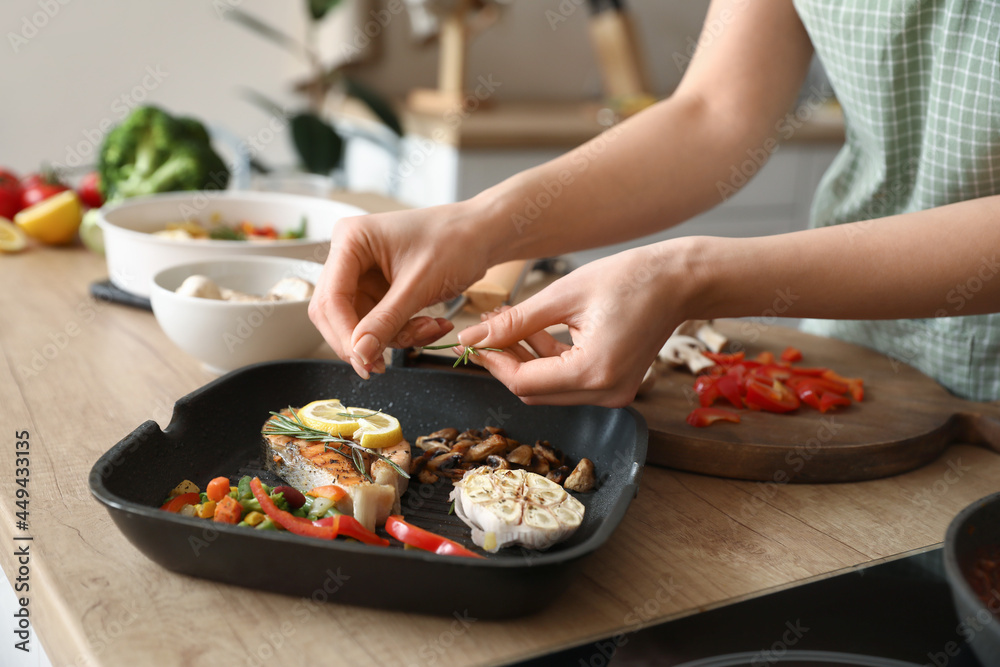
(254, 518)
(206, 510)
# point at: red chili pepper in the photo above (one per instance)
(791, 355)
(338, 525)
(771, 396)
(417, 537)
(702, 417)
(829, 401)
(176, 503)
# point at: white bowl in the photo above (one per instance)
(225, 335)
(134, 254)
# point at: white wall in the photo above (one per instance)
(91, 59)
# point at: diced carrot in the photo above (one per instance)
(228, 510)
(331, 491)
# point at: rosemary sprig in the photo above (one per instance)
(293, 427)
(464, 359)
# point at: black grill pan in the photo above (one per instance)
(215, 431)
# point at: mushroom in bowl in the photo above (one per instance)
(190, 304)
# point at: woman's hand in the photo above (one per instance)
(384, 268)
(619, 310)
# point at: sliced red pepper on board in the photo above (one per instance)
(706, 386)
(177, 503)
(809, 393)
(771, 396)
(829, 401)
(701, 417)
(417, 537)
(856, 386)
(729, 386)
(725, 359)
(765, 357)
(791, 354)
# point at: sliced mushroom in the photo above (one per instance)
(545, 451)
(419, 463)
(710, 337)
(685, 350)
(493, 430)
(443, 434)
(495, 444)
(497, 462)
(471, 434)
(582, 477)
(444, 462)
(559, 475)
(539, 465)
(521, 456)
(434, 447)
(427, 477)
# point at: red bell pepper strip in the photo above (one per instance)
(829, 401)
(701, 417)
(771, 396)
(809, 393)
(328, 530)
(729, 386)
(765, 357)
(177, 503)
(348, 526)
(707, 389)
(856, 386)
(791, 355)
(725, 359)
(417, 537)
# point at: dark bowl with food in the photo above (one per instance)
(972, 567)
(216, 431)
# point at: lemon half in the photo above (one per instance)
(54, 220)
(12, 239)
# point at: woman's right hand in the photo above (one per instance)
(384, 268)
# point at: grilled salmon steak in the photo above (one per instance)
(306, 465)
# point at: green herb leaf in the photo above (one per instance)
(319, 8)
(317, 143)
(378, 105)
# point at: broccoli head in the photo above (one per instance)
(152, 151)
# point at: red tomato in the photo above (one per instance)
(90, 190)
(10, 194)
(39, 187)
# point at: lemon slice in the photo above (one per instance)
(376, 430)
(54, 220)
(328, 415)
(12, 239)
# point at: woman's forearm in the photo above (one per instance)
(673, 160)
(933, 263)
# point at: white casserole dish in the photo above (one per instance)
(135, 255)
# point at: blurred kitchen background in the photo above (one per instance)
(73, 68)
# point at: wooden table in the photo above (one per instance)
(78, 375)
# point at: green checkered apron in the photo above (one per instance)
(919, 82)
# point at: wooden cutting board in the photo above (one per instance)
(905, 421)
